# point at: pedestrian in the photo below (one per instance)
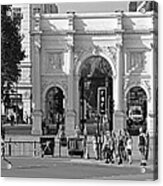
(86, 147)
(108, 147)
(9, 164)
(115, 148)
(126, 136)
(121, 147)
(147, 146)
(12, 117)
(142, 144)
(26, 117)
(129, 147)
(105, 124)
(95, 146)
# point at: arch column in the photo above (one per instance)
(151, 117)
(119, 116)
(36, 91)
(70, 114)
(77, 99)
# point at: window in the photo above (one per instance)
(17, 13)
(50, 8)
(136, 62)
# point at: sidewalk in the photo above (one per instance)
(136, 163)
(48, 167)
(48, 161)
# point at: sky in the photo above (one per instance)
(79, 6)
(83, 7)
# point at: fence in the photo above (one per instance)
(22, 148)
(33, 149)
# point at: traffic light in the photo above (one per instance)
(102, 97)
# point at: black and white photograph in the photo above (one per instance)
(79, 90)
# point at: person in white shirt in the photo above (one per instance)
(108, 147)
(129, 148)
(95, 146)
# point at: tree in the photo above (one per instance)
(11, 49)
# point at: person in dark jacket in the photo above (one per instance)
(142, 144)
(108, 147)
(8, 163)
(121, 147)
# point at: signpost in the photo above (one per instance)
(102, 100)
(101, 107)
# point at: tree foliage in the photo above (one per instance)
(11, 49)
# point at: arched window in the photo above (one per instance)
(54, 105)
(50, 8)
(136, 109)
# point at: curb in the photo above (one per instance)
(95, 162)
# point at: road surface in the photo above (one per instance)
(73, 169)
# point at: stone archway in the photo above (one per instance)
(95, 74)
(54, 110)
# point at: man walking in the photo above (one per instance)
(142, 144)
(9, 164)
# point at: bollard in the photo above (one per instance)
(9, 147)
(34, 149)
(59, 148)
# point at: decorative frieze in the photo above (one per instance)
(136, 62)
(48, 82)
(137, 81)
(54, 62)
(27, 94)
(37, 22)
(109, 51)
(130, 83)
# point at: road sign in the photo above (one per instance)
(102, 100)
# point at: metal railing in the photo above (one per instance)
(33, 149)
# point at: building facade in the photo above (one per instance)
(74, 59)
(116, 51)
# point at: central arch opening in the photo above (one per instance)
(95, 82)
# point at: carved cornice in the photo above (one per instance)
(78, 32)
(148, 87)
(71, 16)
(37, 42)
(70, 42)
(154, 45)
(99, 32)
(81, 51)
(37, 18)
(54, 82)
(141, 31)
(131, 82)
(111, 52)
